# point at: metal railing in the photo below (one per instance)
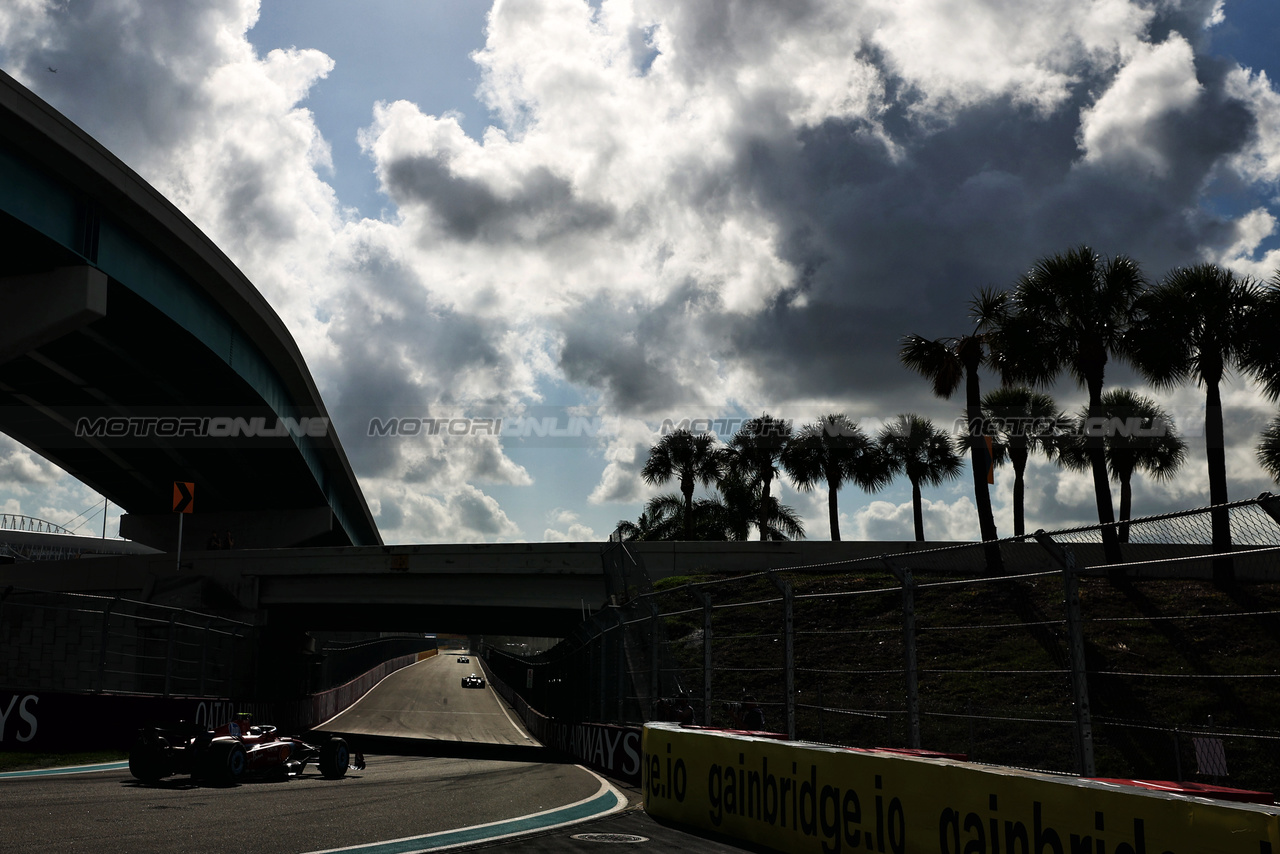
(19, 522)
(1141, 669)
(84, 643)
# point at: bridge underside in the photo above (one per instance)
(493, 620)
(127, 334)
(115, 371)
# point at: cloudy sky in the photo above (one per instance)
(613, 213)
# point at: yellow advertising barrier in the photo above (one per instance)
(797, 797)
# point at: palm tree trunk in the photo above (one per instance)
(764, 506)
(1126, 507)
(1101, 483)
(1019, 458)
(1216, 454)
(833, 514)
(982, 496)
(686, 487)
(917, 510)
(978, 462)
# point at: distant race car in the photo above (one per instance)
(231, 752)
(462, 659)
(472, 681)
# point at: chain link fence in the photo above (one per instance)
(1150, 668)
(80, 643)
(85, 643)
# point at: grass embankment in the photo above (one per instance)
(993, 663)
(16, 761)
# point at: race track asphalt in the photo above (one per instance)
(451, 758)
(427, 701)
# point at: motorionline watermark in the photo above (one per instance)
(1129, 427)
(724, 428)
(566, 426)
(518, 427)
(199, 427)
(594, 426)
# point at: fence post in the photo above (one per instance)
(229, 680)
(105, 639)
(622, 668)
(204, 655)
(1075, 637)
(602, 694)
(655, 663)
(909, 649)
(822, 733)
(1177, 755)
(168, 655)
(706, 655)
(788, 651)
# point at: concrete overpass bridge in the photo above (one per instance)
(134, 354)
(533, 589)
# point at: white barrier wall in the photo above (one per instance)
(319, 708)
(797, 797)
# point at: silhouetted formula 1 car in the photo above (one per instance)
(231, 752)
(472, 681)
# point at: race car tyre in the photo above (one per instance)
(225, 763)
(149, 759)
(334, 757)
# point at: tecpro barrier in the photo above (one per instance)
(798, 797)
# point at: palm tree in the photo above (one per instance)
(947, 362)
(694, 458)
(925, 454)
(1073, 311)
(1138, 436)
(743, 504)
(661, 519)
(753, 455)
(1269, 449)
(644, 528)
(1262, 350)
(1195, 324)
(727, 516)
(834, 451)
(1021, 420)
(664, 519)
